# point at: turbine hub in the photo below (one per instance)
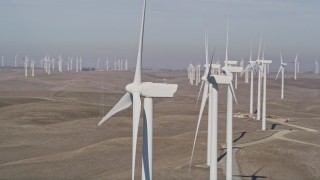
(134, 87)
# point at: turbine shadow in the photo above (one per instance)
(222, 156)
(241, 136)
(254, 176)
(274, 125)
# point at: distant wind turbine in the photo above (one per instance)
(281, 68)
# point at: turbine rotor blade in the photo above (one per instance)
(136, 118)
(233, 93)
(137, 76)
(122, 104)
(203, 102)
(209, 73)
(199, 94)
(278, 72)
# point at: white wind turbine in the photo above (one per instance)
(215, 80)
(295, 66)
(134, 91)
(258, 65)
(60, 64)
(80, 64)
(53, 60)
(316, 68)
(229, 70)
(197, 74)
(126, 65)
(250, 67)
(107, 64)
(263, 68)
(68, 64)
(281, 68)
(212, 82)
(77, 65)
(205, 94)
(15, 60)
(71, 64)
(26, 60)
(2, 61)
(32, 67)
(48, 66)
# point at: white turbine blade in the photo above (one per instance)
(199, 93)
(246, 69)
(203, 103)
(260, 47)
(233, 93)
(137, 76)
(136, 118)
(278, 72)
(123, 103)
(206, 48)
(296, 59)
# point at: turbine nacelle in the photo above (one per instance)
(231, 62)
(264, 61)
(231, 69)
(149, 89)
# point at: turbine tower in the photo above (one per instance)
(251, 67)
(15, 60)
(295, 66)
(134, 91)
(26, 60)
(259, 67)
(281, 68)
(32, 67)
(316, 68)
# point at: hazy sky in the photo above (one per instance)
(174, 31)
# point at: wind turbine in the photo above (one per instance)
(281, 68)
(15, 60)
(229, 70)
(126, 65)
(251, 67)
(258, 117)
(134, 91)
(32, 67)
(107, 64)
(2, 61)
(263, 67)
(60, 64)
(77, 65)
(316, 68)
(295, 66)
(71, 64)
(80, 64)
(49, 63)
(53, 63)
(213, 81)
(205, 95)
(26, 60)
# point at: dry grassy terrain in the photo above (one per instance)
(48, 128)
